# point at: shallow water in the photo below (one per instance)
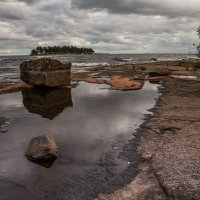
(184, 77)
(86, 122)
(10, 72)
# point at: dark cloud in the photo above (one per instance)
(28, 1)
(107, 26)
(25, 1)
(170, 8)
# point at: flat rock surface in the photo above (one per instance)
(124, 83)
(170, 146)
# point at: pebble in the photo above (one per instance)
(115, 147)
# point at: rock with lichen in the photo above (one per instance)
(46, 72)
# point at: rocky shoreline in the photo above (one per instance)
(123, 77)
(167, 157)
(170, 147)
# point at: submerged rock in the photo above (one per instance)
(42, 148)
(160, 72)
(124, 59)
(46, 72)
(154, 59)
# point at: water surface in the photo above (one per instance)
(10, 72)
(87, 122)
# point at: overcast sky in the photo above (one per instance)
(113, 26)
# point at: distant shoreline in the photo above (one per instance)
(61, 54)
(43, 50)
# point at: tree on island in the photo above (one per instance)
(60, 50)
(198, 46)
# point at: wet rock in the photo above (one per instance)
(4, 130)
(123, 59)
(92, 80)
(114, 147)
(45, 72)
(42, 148)
(48, 103)
(4, 123)
(3, 120)
(14, 87)
(160, 72)
(154, 59)
(124, 83)
(116, 82)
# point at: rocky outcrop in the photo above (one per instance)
(171, 140)
(14, 87)
(160, 72)
(42, 148)
(47, 102)
(46, 72)
(115, 82)
(124, 83)
(170, 148)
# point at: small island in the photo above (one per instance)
(60, 50)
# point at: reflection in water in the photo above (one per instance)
(154, 81)
(46, 164)
(85, 133)
(48, 103)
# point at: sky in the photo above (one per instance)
(107, 26)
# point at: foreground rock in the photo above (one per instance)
(171, 141)
(170, 147)
(46, 72)
(42, 148)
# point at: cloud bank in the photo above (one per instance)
(113, 26)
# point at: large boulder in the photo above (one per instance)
(160, 72)
(46, 72)
(42, 148)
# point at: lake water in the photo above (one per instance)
(91, 125)
(10, 72)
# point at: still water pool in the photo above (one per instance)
(87, 122)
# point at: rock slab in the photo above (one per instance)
(46, 72)
(160, 72)
(42, 148)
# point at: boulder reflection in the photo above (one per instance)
(48, 103)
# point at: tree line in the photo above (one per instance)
(60, 50)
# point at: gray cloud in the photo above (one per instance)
(25, 1)
(106, 26)
(170, 8)
(28, 1)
